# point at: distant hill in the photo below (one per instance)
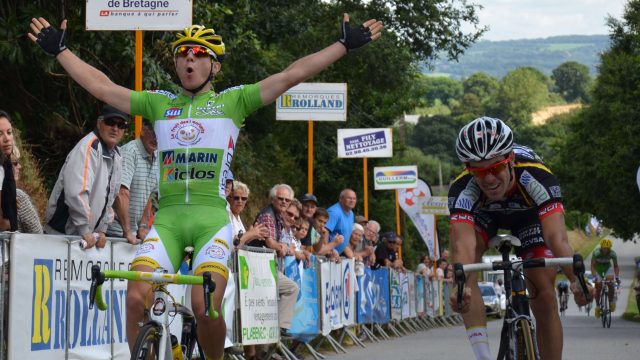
(499, 57)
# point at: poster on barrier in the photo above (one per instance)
(364, 301)
(258, 298)
(395, 293)
(348, 278)
(404, 290)
(419, 286)
(41, 308)
(411, 276)
(334, 301)
(379, 295)
(305, 322)
(325, 280)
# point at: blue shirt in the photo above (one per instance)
(340, 223)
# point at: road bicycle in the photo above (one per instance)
(518, 339)
(605, 302)
(154, 340)
(563, 301)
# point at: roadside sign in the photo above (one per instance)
(313, 101)
(436, 205)
(138, 14)
(361, 143)
(395, 177)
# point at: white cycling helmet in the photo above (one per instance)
(482, 139)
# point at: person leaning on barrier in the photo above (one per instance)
(309, 207)
(8, 202)
(320, 236)
(425, 268)
(507, 186)
(237, 203)
(28, 218)
(387, 252)
(355, 242)
(341, 220)
(81, 200)
(139, 168)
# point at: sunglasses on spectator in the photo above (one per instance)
(492, 169)
(240, 198)
(15, 163)
(113, 122)
(292, 215)
(197, 51)
(284, 199)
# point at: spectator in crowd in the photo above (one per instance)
(301, 228)
(341, 218)
(354, 250)
(9, 213)
(81, 200)
(371, 233)
(237, 203)
(445, 255)
(441, 265)
(386, 253)
(448, 273)
(28, 218)
(499, 287)
(320, 236)
(292, 220)
(309, 207)
(280, 196)
(425, 268)
(359, 219)
(139, 169)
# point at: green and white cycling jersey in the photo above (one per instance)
(196, 139)
(603, 261)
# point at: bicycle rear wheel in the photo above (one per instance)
(147, 343)
(526, 347)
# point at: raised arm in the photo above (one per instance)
(51, 40)
(310, 65)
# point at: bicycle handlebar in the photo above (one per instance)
(98, 278)
(576, 261)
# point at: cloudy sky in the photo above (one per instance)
(524, 19)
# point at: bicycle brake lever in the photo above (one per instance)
(97, 279)
(578, 271)
(208, 287)
(460, 281)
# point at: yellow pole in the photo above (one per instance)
(138, 80)
(398, 221)
(365, 185)
(310, 156)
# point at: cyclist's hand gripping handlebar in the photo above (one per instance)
(578, 271)
(97, 279)
(209, 286)
(460, 278)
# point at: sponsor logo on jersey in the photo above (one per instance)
(151, 239)
(187, 132)
(221, 242)
(215, 252)
(173, 112)
(534, 188)
(550, 209)
(175, 174)
(555, 191)
(168, 94)
(170, 157)
(468, 196)
(145, 248)
(461, 218)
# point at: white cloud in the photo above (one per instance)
(520, 19)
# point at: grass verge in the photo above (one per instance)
(631, 312)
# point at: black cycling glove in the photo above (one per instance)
(51, 40)
(354, 38)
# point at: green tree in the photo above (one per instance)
(599, 160)
(441, 88)
(436, 136)
(522, 92)
(572, 81)
(482, 85)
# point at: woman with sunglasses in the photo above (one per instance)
(28, 218)
(507, 186)
(193, 127)
(237, 203)
(8, 208)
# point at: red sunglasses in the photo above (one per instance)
(197, 50)
(492, 169)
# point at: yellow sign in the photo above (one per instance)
(437, 205)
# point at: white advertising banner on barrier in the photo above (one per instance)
(41, 308)
(395, 177)
(313, 101)
(404, 288)
(258, 298)
(412, 299)
(325, 297)
(338, 295)
(361, 143)
(348, 292)
(138, 14)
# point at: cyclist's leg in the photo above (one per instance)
(212, 251)
(545, 309)
(609, 276)
(150, 255)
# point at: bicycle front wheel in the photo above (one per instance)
(526, 348)
(147, 343)
(605, 314)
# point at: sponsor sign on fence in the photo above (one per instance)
(258, 297)
(313, 101)
(395, 177)
(138, 14)
(361, 143)
(305, 323)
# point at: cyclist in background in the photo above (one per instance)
(507, 186)
(601, 259)
(196, 131)
(563, 290)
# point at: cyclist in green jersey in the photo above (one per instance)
(601, 259)
(197, 131)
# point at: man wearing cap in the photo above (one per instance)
(81, 200)
(139, 168)
(309, 207)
